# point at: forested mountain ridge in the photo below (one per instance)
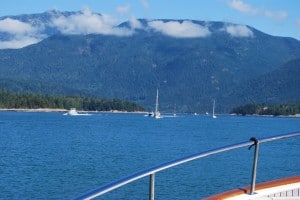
(189, 71)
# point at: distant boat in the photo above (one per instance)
(149, 114)
(213, 111)
(73, 112)
(156, 113)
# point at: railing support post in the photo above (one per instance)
(254, 168)
(151, 187)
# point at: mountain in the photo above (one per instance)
(234, 64)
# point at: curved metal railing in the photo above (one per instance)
(153, 170)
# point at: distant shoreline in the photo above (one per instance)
(114, 111)
(33, 110)
(256, 115)
(63, 110)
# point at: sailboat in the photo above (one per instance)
(213, 112)
(156, 113)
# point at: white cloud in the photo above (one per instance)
(123, 10)
(186, 29)
(135, 24)
(298, 23)
(243, 7)
(145, 4)
(21, 34)
(16, 27)
(17, 43)
(238, 31)
(280, 15)
(87, 23)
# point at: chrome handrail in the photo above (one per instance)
(151, 171)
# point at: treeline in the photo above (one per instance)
(262, 109)
(12, 100)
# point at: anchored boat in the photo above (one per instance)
(156, 113)
(73, 112)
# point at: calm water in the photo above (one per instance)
(52, 156)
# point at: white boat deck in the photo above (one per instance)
(282, 189)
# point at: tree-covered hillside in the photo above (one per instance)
(11, 100)
(262, 109)
(278, 86)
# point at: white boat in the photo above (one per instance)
(156, 113)
(73, 112)
(213, 111)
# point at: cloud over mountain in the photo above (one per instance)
(87, 22)
(21, 34)
(17, 32)
(238, 31)
(135, 23)
(19, 42)
(185, 29)
(16, 27)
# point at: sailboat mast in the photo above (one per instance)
(156, 104)
(214, 116)
(214, 108)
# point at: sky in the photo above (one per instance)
(274, 17)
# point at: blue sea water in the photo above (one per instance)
(53, 156)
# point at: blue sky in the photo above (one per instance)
(274, 17)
